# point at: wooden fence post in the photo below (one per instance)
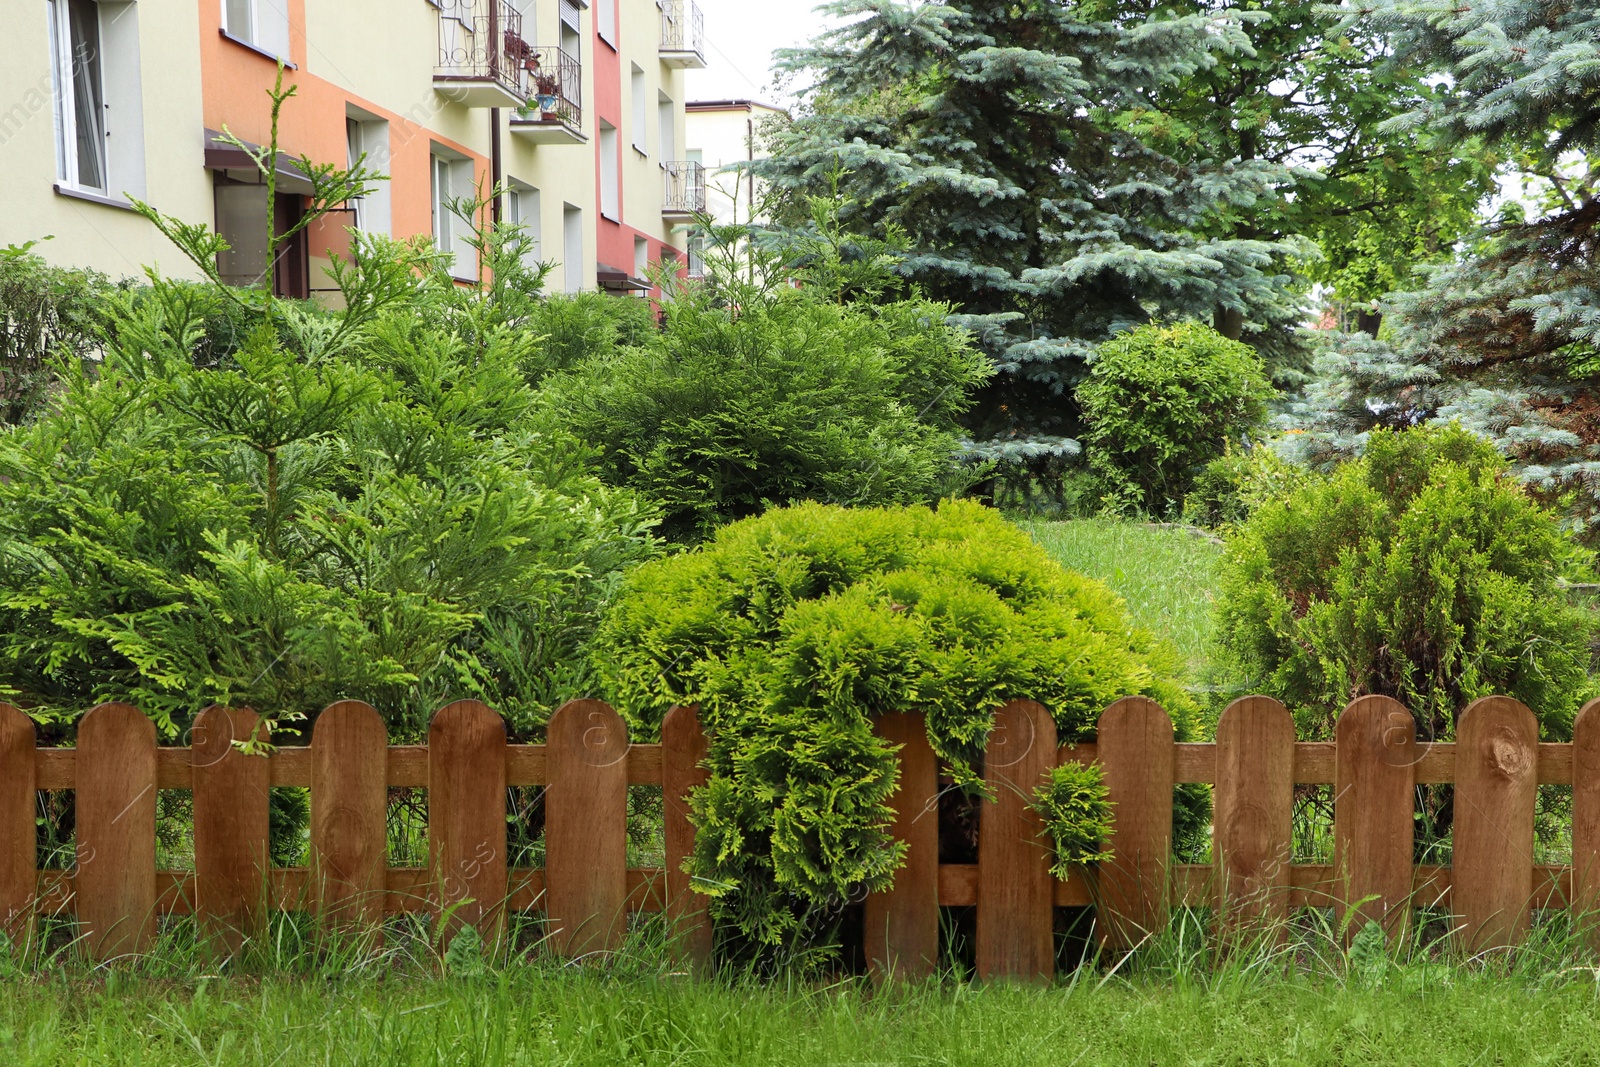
(115, 883)
(1586, 821)
(1374, 771)
(1497, 783)
(349, 807)
(683, 754)
(1252, 824)
(586, 828)
(1135, 747)
(231, 858)
(1016, 894)
(19, 857)
(467, 820)
(902, 923)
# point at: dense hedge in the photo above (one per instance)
(794, 630)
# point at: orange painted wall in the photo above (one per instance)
(234, 84)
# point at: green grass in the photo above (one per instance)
(1167, 575)
(544, 1017)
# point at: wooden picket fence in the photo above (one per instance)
(585, 890)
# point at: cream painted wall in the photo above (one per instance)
(109, 239)
(722, 138)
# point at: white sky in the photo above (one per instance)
(740, 38)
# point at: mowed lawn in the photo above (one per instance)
(540, 1017)
(1167, 574)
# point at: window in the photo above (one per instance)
(697, 255)
(80, 94)
(666, 119)
(452, 180)
(94, 67)
(522, 208)
(641, 258)
(369, 137)
(605, 21)
(608, 173)
(572, 247)
(571, 31)
(262, 24)
(639, 112)
(241, 220)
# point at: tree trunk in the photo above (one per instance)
(1368, 322)
(1228, 322)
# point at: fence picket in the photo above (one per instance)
(467, 820)
(1586, 821)
(349, 802)
(902, 924)
(1497, 748)
(1372, 826)
(1132, 892)
(1252, 824)
(231, 791)
(115, 882)
(1016, 893)
(19, 858)
(683, 754)
(586, 828)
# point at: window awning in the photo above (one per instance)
(619, 280)
(237, 164)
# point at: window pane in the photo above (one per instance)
(89, 102)
(242, 222)
(237, 12)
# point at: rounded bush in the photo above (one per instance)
(794, 630)
(1422, 571)
(1160, 403)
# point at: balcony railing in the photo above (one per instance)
(683, 34)
(483, 60)
(683, 188)
(554, 112)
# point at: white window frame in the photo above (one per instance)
(523, 208)
(667, 128)
(370, 136)
(451, 177)
(641, 122)
(610, 178)
(605, 21)
(121, 105)
(266, 26)
(572, 247)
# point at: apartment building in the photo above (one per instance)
(721, 135)
(576, 107)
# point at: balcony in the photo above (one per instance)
(554, 113)
(482, 56)
(683, 34)
(683, 190)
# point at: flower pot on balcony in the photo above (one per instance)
(547, 104)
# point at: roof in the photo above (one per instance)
(733, 105)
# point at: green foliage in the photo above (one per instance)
(1231, 487)
(1076, 808)
(1006, 142)
(794, 630)
(1163, 401)
(1421, 571)
(756, 393)
(47, 314)
(576, 328)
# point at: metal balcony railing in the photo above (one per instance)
(682, 27)
(683, 188)
(555, 80)
(480, 41)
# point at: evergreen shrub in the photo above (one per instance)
(1422, 571)
(793, 631)
(1231, 487)
(752, 396)
(1163, 401)
(47, 315)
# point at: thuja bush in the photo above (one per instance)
(1161, 402)
(355, 504)
(1422, 571)
(795, 630)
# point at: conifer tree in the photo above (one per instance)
(1506, 339)
(1006, 141)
